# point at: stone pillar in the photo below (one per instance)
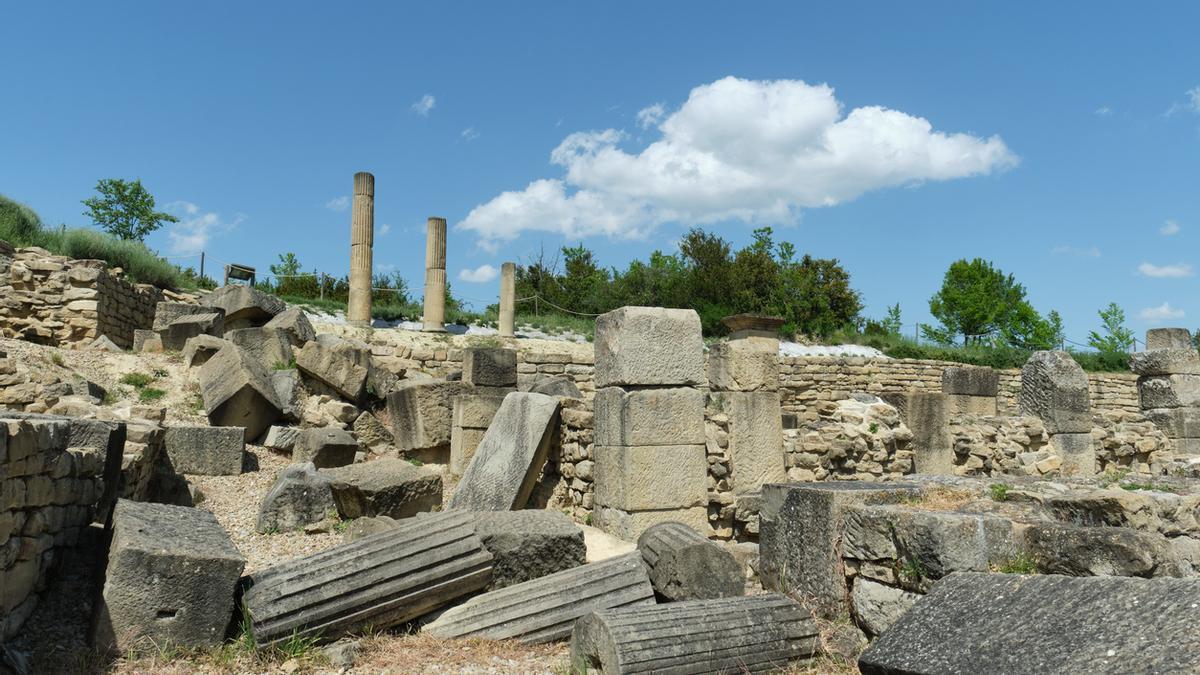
(972, 389)
(1169, 387)
(1055, 389)
(650, 465)
(508, 298)
(743, 375)
(435, 276)
(362, 239)
(927, 414)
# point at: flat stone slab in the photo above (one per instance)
(509, 459)
(385, 487)
(1005, 623)
(171, 577)
(209, 451)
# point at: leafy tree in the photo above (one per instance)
(892, 323)
(977, 302)
(1116, 338)
(125, 209)
(289, 266)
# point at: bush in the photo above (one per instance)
(19, 225)
(994, 356)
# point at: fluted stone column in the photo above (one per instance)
(435, 276)
(508, 298)
(362, 239)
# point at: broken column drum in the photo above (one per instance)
(508, 299)
(362, 239)
(435, 276)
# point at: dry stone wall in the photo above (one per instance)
(47, 496)
(58, 301)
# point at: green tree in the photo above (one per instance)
(125, 209)
(289, 266)
(976, 302)
(1116, 338)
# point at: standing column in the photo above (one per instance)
(508, 298)
(435, 276)
(362, 239)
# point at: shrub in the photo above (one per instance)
(136, 380)
(150, 394)
(19, 225)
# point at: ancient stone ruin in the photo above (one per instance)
(644, 503)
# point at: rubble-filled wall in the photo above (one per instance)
(58, 301)
(47, 494)
(808, 380)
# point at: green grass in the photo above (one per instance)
(999, 492)
(136, 380)
(280, 365)
(150, 394)
(1156, 487)
(1018, 563)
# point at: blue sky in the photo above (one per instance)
(1062, 142)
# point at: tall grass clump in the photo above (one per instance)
(20, 225)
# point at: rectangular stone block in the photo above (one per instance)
(209, 451)
(649, 416)
(929, 420)
(490, 366)
(629, 526)
(641, 478)
(474, 411)
(464, 442)
(1165, 362)
(165, 313)
(1176, 422)
(1078, 453)
(970, 381)
(744, 365)
(421, 412)
(962, 404)
(1011, 623)
(171, 578)
(756, 454)
(800, 537)
(1168, 338)
(1055, 390)
(1169, 391)
(649, 346)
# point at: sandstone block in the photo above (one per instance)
(238, 392)
(421, 413)
(146, 341)
(649, 346)
(1176, 422)
(334, 369)
(640, 478)
(209, 451)
(271, 347)
(672, 416)
(1078, 453)
(177, 333)
(962, 404)
(172, 572)
(928, 416)
(755, 439)
(684, 565)
(510, 457)
(325, 447)
(295, 324)
(744, 365)
(1166, 362)
(490, 366)
(300, 496)
(244, 307)
(970, 381)
(1055, 389)
(165, 313)
(385, 487)
(1169, 391)
(199, 349)
(1168, 338)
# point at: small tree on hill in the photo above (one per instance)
(1116, 339)
(976, 301)
(125, 209)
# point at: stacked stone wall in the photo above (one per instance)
(47, 496)
(58, 301)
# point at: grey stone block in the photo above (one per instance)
(165, 313)
(295, 324)
(1165, 362)
(554, 386)
(1099, 551)
(175, 336)
(382, 580)
(282, 438)
(1168, 338)
(385, 487)
(146, 341)
(545, 609)
(333, 369)
(1176, 422)
(928, 416)
(1169, 391)
(669, 416)
(209, 451)
(244, 307)
(649, 346)
(878, 606)
(271, 347)
(289, 394)
(171, 577)
(421, 412)
(1055, 389)
(751, 634)
(1007, 623)
(510, 457)
(237, 392)
(490, 366)
(684, 565)
(529, 544)
(300, 496)
(800, 537)
(199, 349)
(970, 381)
(325, 448)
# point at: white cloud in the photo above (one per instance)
(1103, 111)
(195, 227)
(384, 228)
(1191, 104)
(469, 134)
(1165, 271)
(1169, 228)
(338, 203)
(651, 115)
(479, 275)
(1090, 252)
(747, 150)
(424, 105)
(1161, 313)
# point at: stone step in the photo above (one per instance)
(753, 634)
(545, 609)
(684, 565)
(379, 581)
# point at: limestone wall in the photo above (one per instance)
(47, 495)
(55, 300)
